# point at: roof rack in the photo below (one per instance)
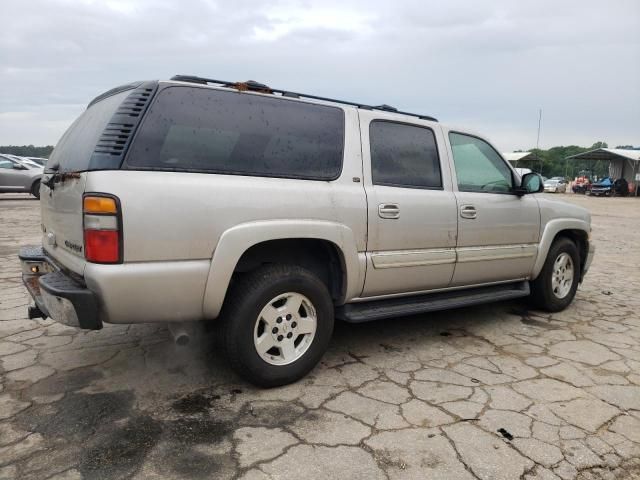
(254, 86)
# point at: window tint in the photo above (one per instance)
(215, 131)
(479, 168)
(404, 155)
(73, 151)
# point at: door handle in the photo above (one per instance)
(389, 210)
(468, 211)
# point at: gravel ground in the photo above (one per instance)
(491, 392)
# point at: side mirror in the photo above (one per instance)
(531, 183)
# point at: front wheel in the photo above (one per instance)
(556, 285)
(35, 189)
(277, 322)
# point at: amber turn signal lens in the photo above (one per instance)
(99, 205)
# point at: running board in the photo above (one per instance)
(402, 306)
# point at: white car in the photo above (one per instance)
(553, 185)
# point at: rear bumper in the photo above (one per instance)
(55, 293)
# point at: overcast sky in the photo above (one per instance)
(487, 65)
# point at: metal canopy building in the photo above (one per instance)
(622, 163)
(514, 157)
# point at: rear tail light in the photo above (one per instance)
(102, 228)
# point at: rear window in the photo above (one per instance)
(73, 151)
(204, 130)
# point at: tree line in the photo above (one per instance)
(27, 150)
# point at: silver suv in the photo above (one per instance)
(19, 175)
(270, 212)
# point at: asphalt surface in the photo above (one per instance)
(491, 392)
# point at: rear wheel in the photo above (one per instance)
(556, 286)
(276, 324)
(35, 189)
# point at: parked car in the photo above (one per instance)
(270, 212)
(40, 161)
(555, 186)
(19, 176)
(602, 188)
(607, 187)
(621, 188)
(26, 161)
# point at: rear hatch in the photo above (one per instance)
(97, 140)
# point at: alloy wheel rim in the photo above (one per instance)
(562, 276)
(285, 328)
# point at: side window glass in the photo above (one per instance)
(404, 155)
(206, 130)
(5, 164)
(479, 168)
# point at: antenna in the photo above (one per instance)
(538, 138)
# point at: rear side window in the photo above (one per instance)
(203, 130)
(73, 151)
(404, 155)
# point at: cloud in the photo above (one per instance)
(486, 64)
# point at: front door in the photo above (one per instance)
(498, 231)
(411, 208)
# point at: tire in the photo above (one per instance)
(261, 308)
(35, 189)
(551, 295)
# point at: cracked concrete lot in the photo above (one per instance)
(495, 392)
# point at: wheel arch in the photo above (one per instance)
(247, 246)
(35, 180)
(574, 229)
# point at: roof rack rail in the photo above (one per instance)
(254, 86)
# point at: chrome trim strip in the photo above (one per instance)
(413, 258)
(498, 252)
(443, 256)
(435, 290)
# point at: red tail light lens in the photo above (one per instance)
(102, 228)
(102, 246)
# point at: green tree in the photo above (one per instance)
(27, 150)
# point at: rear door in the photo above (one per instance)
(498, 231)
(411, 208)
